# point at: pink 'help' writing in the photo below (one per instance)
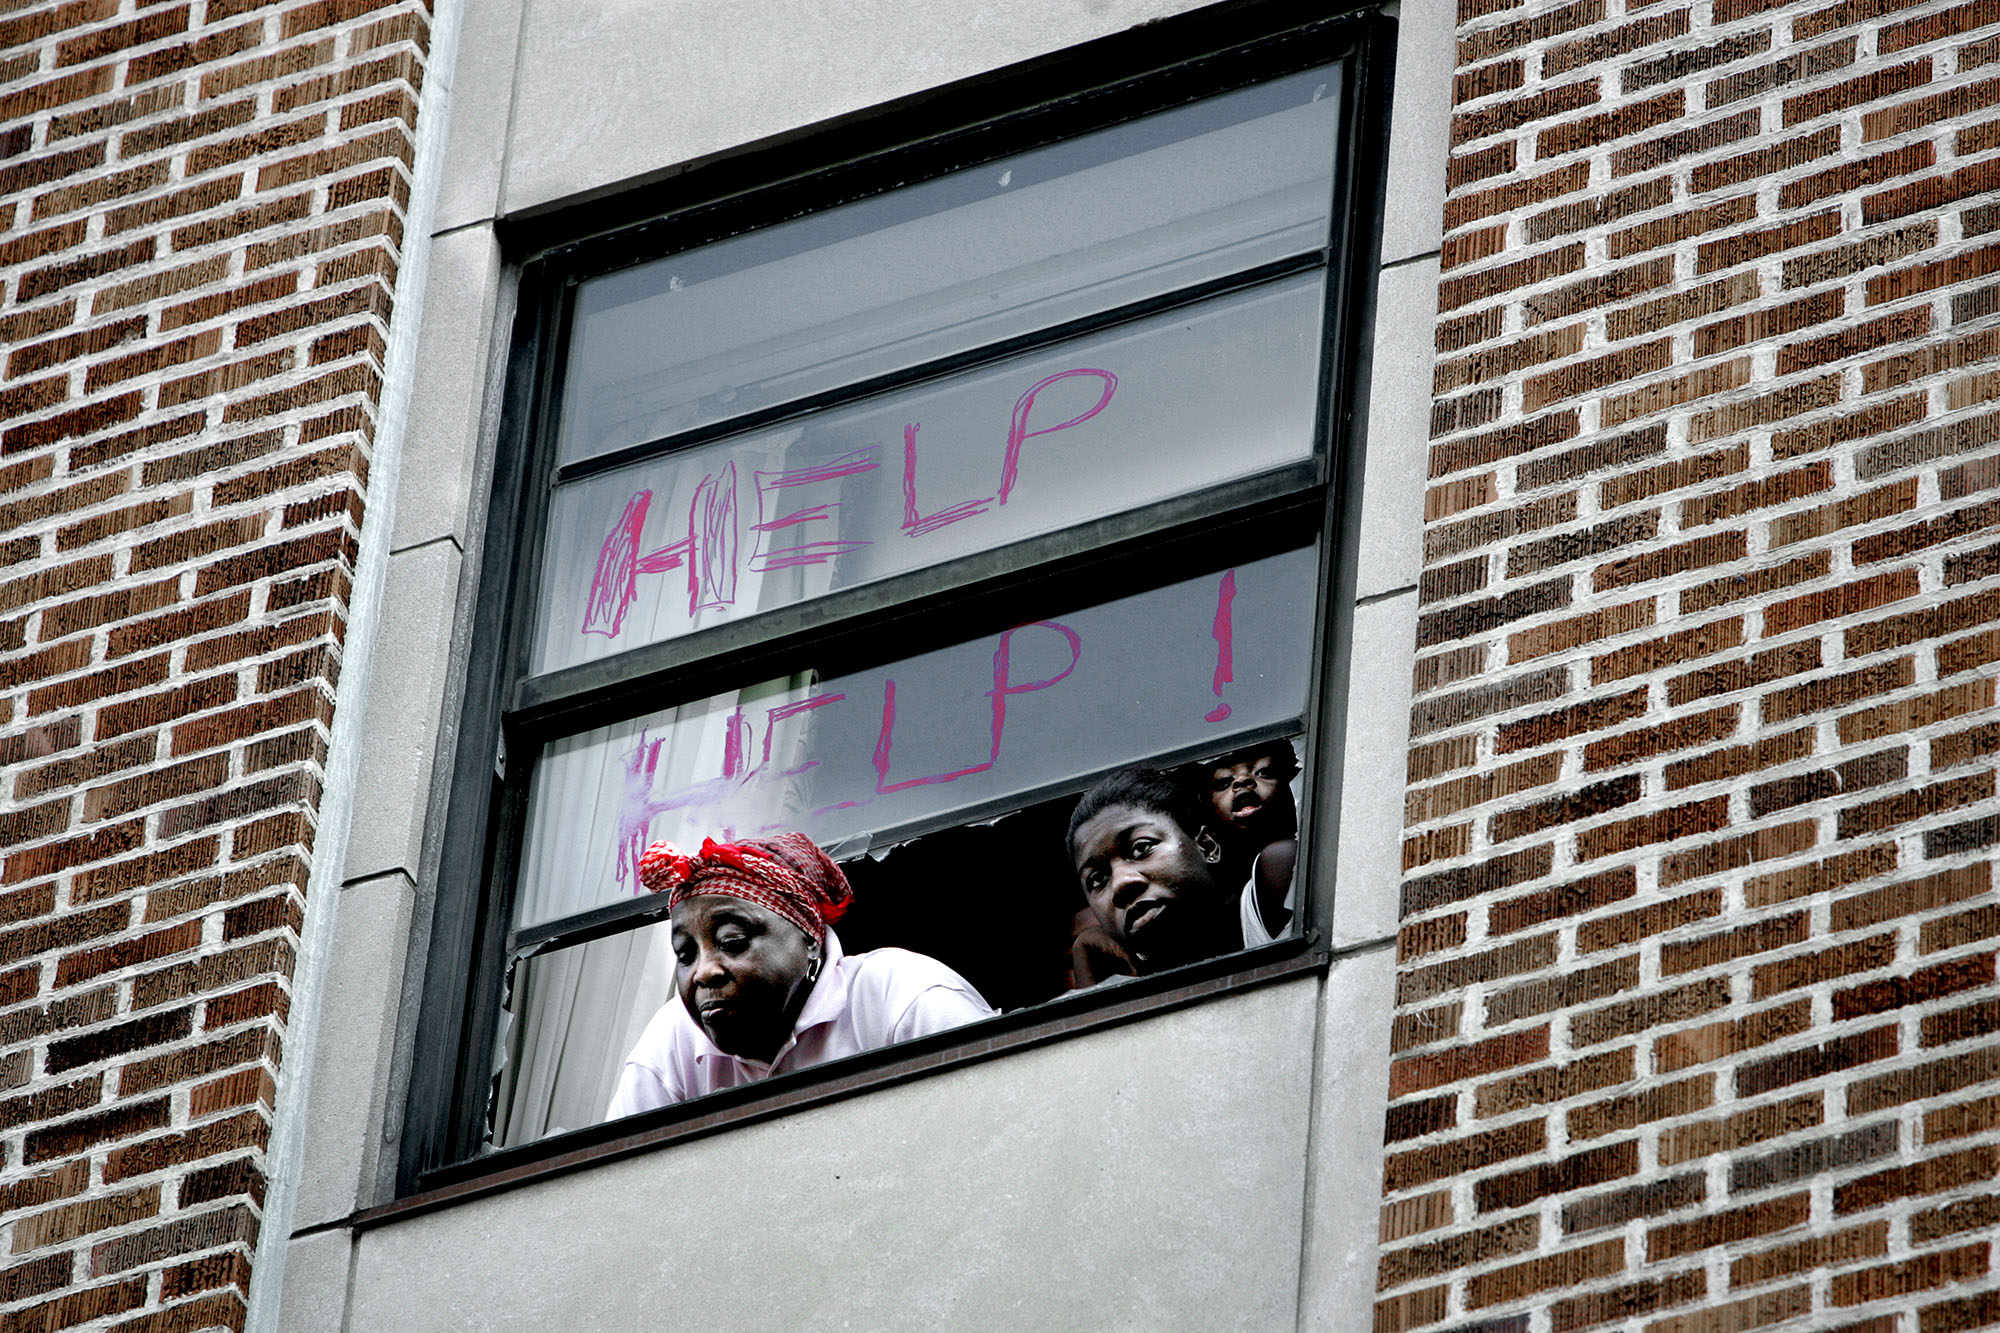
(752, 736)
(710, 551)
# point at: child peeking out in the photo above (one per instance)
(1255, 821)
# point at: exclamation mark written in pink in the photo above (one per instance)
(1225, 656)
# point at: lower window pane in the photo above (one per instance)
(998, 903)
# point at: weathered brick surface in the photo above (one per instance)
(200, 231)
(1702, 796)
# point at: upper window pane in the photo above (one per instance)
(963, 261)
(1159, 407)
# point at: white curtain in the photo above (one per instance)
(596, 801)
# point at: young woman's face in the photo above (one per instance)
(741, 972)
(1152, 885)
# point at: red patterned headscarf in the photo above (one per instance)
(787, 874)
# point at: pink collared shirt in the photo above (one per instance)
(861, 1001)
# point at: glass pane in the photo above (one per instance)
(1160, 407)
(1175, 669)
(569, 1018)
(962, 261)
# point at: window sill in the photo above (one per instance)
(1066, 1016)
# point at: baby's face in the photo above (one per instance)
(1239, 793)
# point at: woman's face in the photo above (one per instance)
(741, 972)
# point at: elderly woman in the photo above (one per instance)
(761, 983)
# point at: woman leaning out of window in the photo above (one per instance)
(761, 985)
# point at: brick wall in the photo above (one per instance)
(201, 213)
(1696, 978)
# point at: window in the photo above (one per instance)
(896, 501)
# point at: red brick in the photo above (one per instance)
(1784, 155)
(1686, 1143)
(1931, 193)
(1730, 945)
(1807, 969)
(1938, 798)
(1626, 928)
(1932, 1176)
(1442, 1256)
(1845, 778)
(1562, 989)
(1700, 138)
(1599, 130)
(1762, 492)
(1764, 408)
(1669, 825)
(1934, 621)
(1715, 858)
(246, 1130)
(1873, 419)
(1675, 1239)
(82, 1305)
(1681, 226)
(1875, 84)
(1456, 1064)
(1924, 1273)
(1455, 1157)
(1622, 1302)
(1507, 960)
(1711, 1042)
(1553, 1083)
(1563, 1269)
(1654, 1102)
(1655, 655)
(1829, 1057)
(1924, 710)
(1744, 247)
(1682, 732)
(1589, 1027)
(1593, 1166)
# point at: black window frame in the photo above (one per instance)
(507, 713)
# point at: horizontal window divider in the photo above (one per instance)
(582, 928)
(1100, 1007)
(1272, 511)
(940, 367)
(630, 913)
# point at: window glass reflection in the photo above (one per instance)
(963, 261)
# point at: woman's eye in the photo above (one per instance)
(1143, 845)
(1093, 881)
(734, 945)
(685, 957)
